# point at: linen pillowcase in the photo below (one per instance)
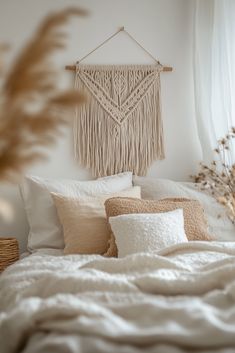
(45, 229)
(84, 221)
(194, 221)
(147, 232)
(153, 188)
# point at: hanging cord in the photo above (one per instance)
(146, 51)
(122, 29)
(100, 45)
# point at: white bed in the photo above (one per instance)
(179, 299)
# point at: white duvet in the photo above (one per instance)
(181, 299)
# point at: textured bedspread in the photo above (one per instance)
(180, 299)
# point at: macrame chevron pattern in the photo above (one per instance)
(120, 127)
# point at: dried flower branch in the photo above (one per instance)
(219, 178)
(32, 109)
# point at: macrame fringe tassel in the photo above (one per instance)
(107, 146)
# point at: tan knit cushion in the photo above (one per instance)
(84, 223)
(194, 221)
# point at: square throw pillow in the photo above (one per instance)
(84, 222)
(194, 221)
(147, 232)
(218, 223)
(45, 229)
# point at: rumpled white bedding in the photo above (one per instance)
(177, 300)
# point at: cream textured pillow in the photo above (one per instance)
(194, 221)
(147, 232)
(84, 221)
(45, 229)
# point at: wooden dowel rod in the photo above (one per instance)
(167, 68)
(70, 67)
(73, 68)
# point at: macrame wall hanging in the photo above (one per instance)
(119, 128)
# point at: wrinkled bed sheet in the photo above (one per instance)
(180, 299)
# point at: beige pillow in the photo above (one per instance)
(194, 221)
(84, 223)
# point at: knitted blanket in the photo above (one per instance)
(176, 300)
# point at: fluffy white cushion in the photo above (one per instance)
(156, 189)
(45, 229)
(147, 232)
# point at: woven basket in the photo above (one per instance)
(9, 252)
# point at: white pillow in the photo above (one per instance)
(152, 188)
(45, 229)
(147, 232)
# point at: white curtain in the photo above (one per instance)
(214, 71)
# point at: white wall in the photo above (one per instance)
(164, 27)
